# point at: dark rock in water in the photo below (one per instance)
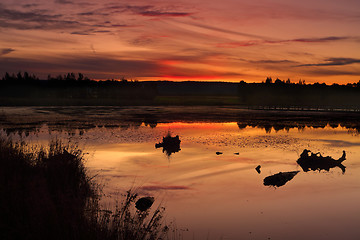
(236, 153)
(314, 161)
(144, 203)
(258, 169)
(169, 144)
(219, 153)
(279, 179)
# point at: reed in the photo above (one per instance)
(47, 193)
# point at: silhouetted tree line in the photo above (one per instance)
(284, 94)
(76, 89)
(72, 89)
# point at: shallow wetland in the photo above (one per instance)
(211, 195)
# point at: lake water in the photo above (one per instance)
(210, 195)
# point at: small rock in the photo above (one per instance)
(258, 169)
(219, 153)
(144, 203)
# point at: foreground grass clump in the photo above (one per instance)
(46, 193)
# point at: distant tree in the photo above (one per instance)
(8, 78)
(59, 78)
(278, 81)
(19, 76)
(124, 80)
(70, 77)
(301, 82)
(81, 77)
(268, 80)
(288, 81)
(26, 76)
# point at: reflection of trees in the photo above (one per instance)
(150, 120)
(277, 125)
(70, 127)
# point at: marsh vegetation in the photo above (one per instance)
(47, 193)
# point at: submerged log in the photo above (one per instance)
(279, 179)
(315, 161)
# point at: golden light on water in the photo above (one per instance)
(224, 193)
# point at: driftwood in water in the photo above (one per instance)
(169, 144)
(314, 161)
(279, 179)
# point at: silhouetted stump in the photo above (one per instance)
(314, 161)
(169, 144)
(219, 153)
(279, 179)
(258, 169)
(144, 203)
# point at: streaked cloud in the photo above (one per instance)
(207, 40)
(334, 62)
(148, 10)
(5, 51)
(225, 30)
(26, 20)
(250, 43)
(103, 66)
(33, 16)
(157, 13)
(30, 5)
(64, 2)
(274, 62)
(328, 72)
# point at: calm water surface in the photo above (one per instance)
(222, 196)
(212, 196)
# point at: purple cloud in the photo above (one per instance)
(5, 51)
(263, 42)
(25, 20)
(101, 66)
(149, 11)
(325, 39)
(64, 2)
(334, 62)
(157, 13)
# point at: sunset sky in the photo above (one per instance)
(227, 40)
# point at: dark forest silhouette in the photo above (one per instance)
(76, 89)
(71, 89)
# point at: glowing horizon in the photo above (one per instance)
(228, 41)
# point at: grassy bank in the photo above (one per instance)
(196, 100)
(46, 193)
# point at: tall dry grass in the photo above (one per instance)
(47, 193)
